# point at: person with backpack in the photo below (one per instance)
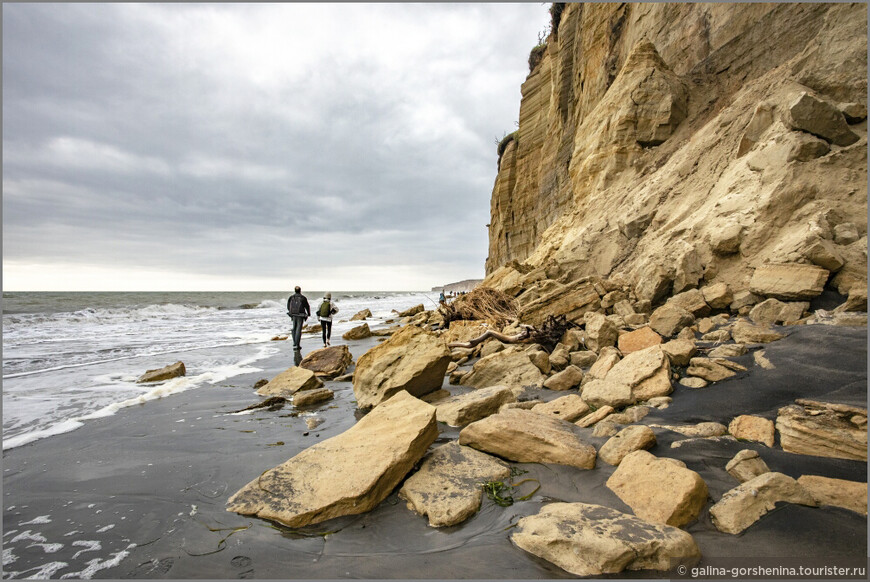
(299, 311)
(325, 312)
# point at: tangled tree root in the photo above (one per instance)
(483, 303)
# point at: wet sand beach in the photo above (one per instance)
(142, 494)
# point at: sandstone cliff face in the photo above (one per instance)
(702, 140)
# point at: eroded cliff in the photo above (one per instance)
(698, 141)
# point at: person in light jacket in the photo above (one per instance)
(325, 312)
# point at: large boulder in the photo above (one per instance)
(361, 315)
(647, 372)
(312, 397)
(808, 113)
(528, 437)
(589, 540)
(745, 332)
(748, 502)
(412, 359)
(748, 427)
(789, 281)
(175, 370)
(823, 430)
(573, 301)
(417, 309)
(600, 332)
(569, 407)
(467, 408)
(637, 340)
(568, 378)
(511, 367)
(289, 382)
(605, 392)
(328, 362)
(357, 333)
(670, 319)
(348, 474)
(447, 486)
(632, 438)
(851, 495)
(659, 490)
(746, 465)
(713, 369)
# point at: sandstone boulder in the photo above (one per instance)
(753, 428)
(713, 369)
(289, 382)
(728, 351)
(528, 437)
(775, 311)
(718, 295)
(594, 417)
(412, 359)
(511, 367)
(447, 486)
(175, 370)
(692, 301)
(328, 362)
(631, 438)
(669, 319)
(357, 333)
(467, 408)
(846, 233)
(742, 506)
(362, 315)
(605, 392)
(746, 465)
(312, 397)
(416, 310)
(789, 281)
(851, 495)
(568, 378)
(570, 408)
(600, 332)
(680, 351)
(589, 540)
(647, 372)
(638, 339)
(822, 431)
(745, 332)
(347, 474)
(658, 490)
(572, 301)
(603, 364)
(583, 358)
(808, 113)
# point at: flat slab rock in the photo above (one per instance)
(348, 474)
(588, 540)
(447, 487)
(742, 506)
(528, 437)
(467, 408)
(289, 382)
(823, 431)
(176, 370)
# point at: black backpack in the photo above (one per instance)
(294, 305)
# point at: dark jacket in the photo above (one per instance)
(304, 311)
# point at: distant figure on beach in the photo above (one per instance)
(325, 312)
(441, 298)
(299, 311)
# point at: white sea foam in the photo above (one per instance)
(8, 557)
(96, 565)
(43, 572)
(29, 535)
(37, 520)
(47, 548)
(88, 545)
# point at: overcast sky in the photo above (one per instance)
(255, 146)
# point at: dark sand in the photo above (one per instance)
(162, 472)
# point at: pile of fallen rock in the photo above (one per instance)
(620, 362)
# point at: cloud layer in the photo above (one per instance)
(242, 145)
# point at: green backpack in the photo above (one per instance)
(324, 309)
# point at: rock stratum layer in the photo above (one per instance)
(702, 140)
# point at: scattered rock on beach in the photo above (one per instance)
(713, 369)
(412, 359)
(528, 437)
(748, 427)
(569, 407)
(647, 372)
(632, 438)
(588, 540)
(273, 403)
(329, 362)
(745, 332)
(789, 281)
(412, 311)
(658, 489)
(348, 474)
(447, 486)
(312, 397)
(851, 495)
(742, 506)
(173, 371)
(357, 333)
(512, 367)
(595, 416)
(289, 382)
(822, 430)
(638, 339)
(567, 379)
(467, 408)
(746, 465)
(362, 315)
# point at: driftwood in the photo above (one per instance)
(524, 335)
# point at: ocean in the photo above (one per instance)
(72, 357)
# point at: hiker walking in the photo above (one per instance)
(325, 312)
(299, 311)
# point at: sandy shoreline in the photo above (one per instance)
(148, 486)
